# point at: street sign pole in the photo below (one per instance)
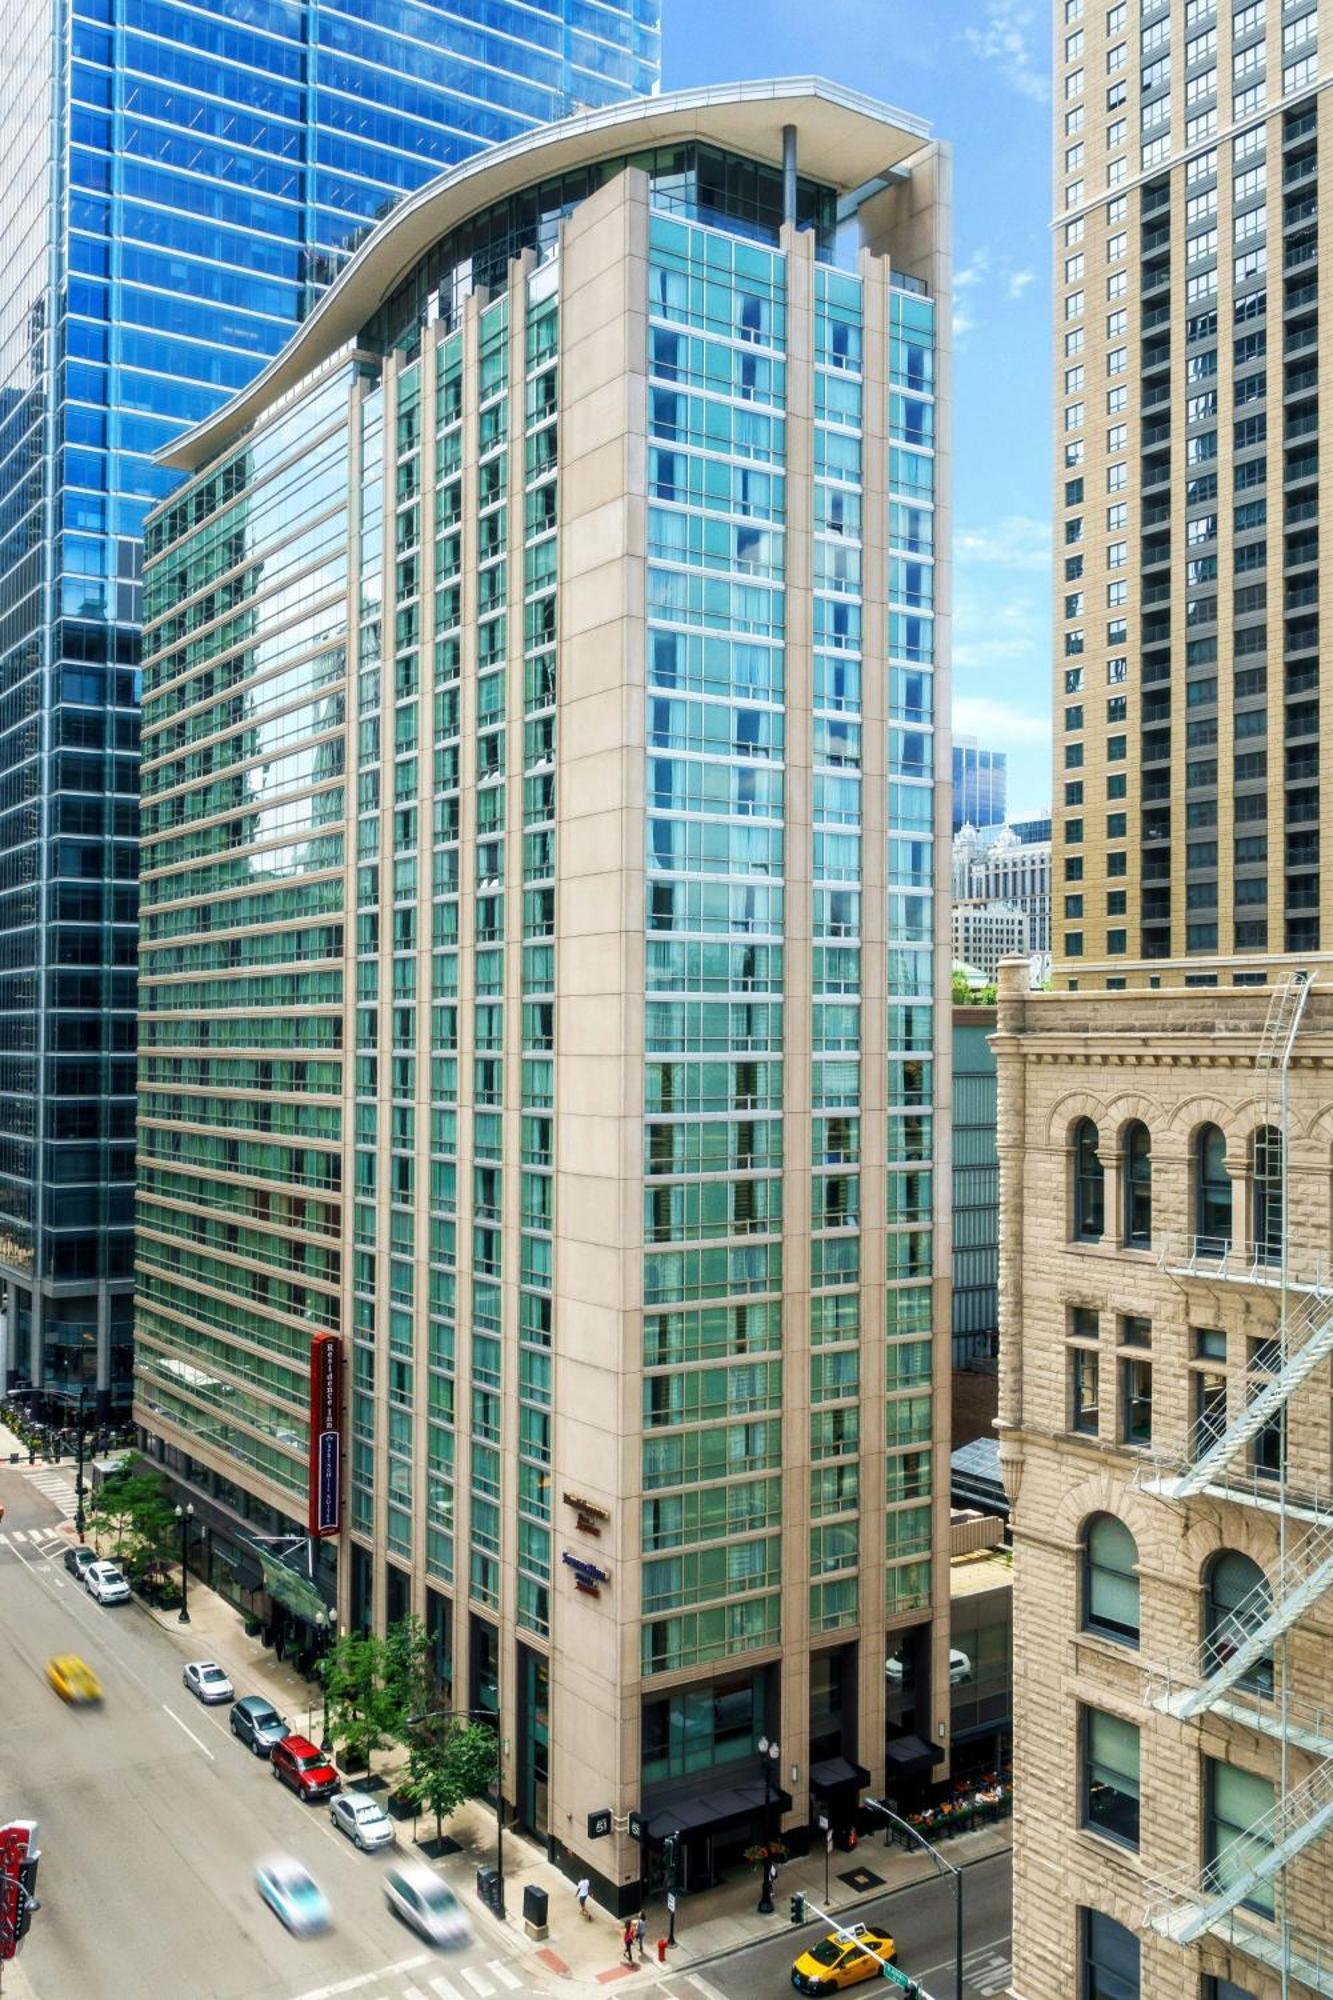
(888, 1970)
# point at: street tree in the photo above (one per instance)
(132, 1510)
(408, 1680)
(448, 1763)
(360, 1708)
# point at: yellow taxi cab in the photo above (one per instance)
(73, 1679)
(843, 1958)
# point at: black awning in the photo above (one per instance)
(831, 1772)
(908, 1756)
(246, 1574)
(715, 1811)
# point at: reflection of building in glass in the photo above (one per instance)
(980, 779)
(587, 619)
(179, 191)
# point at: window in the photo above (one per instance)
(1138, 1185)
(1111, 1776)
(1212, 1192)
(1110, 1580)
(1089, 1184)
(1237, 1600)
(1084, 1385)
(1135, 1401)
(1266, 1192)
(1239, 1835)
(1110, 1955)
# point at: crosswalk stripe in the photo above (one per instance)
(17, 1535)
(413, 1993)
(503, 1974)
(445, 1991)
(477, 1981)
(701, 1985)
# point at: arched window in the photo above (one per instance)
(1237, 1599)
(1266, 1184)
(1212, 1192)
(1110, 1579)
(1089, 1183)
(1138, 1185)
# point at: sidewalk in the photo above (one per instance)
(216, 1632)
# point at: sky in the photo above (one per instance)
(979, 71)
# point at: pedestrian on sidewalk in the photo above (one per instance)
(641, 1933)
(627, 1940)
(583, 1889)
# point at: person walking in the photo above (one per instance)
(628, 1940)
(583, 1889)
(641, 1933)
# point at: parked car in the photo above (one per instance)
(417, 1895)
(843, 1958)
(79, 1561)
(206, 1680)
(292, 1894)
(73, 1679)
(363, 1821)
(296, 1762)
(105, 1582)
(257, 1724)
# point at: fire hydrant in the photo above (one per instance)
(661, 1951)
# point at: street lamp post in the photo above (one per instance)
(451, 1715)
(323, 1628)
(769, 1752)
(79, 1520)
(942, 1867)
(185, 1515)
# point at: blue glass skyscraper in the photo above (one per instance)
(179, 184)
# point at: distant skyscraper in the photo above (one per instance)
(179, 189)
(580, 1024)
(979, 784)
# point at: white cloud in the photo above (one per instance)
(973, 271)
(1002, 39)
(1019, 541)
(1019, 282)
(998, 722)
(964, 323)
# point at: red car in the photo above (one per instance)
(307, 1770)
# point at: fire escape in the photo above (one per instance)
(1240, 1671)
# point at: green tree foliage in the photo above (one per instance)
(361, 1711)
(449, 1761)
(408, 1681)
(132, 1512)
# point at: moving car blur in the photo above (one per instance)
(293, 1894)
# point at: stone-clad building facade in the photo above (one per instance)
(1166, 1642)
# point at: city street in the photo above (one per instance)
(921, 1921)
(152, 1816)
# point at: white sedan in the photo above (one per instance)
(206, 1680)
(363, 1821)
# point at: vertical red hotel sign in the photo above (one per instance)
(326, 1418)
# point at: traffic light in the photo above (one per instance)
(669, 1859)
(798, 1909)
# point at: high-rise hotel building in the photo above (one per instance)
(544, 980)
(181, 180)
(1165, 1136)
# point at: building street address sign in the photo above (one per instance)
(326, 1408)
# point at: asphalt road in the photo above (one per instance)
(152, 1816)
(921, 1922)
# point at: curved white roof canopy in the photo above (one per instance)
(843, 141)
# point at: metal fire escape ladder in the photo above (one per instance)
(1257, 1622)
(1252, 1860)
(1309, 1340)
(1285, 1008)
